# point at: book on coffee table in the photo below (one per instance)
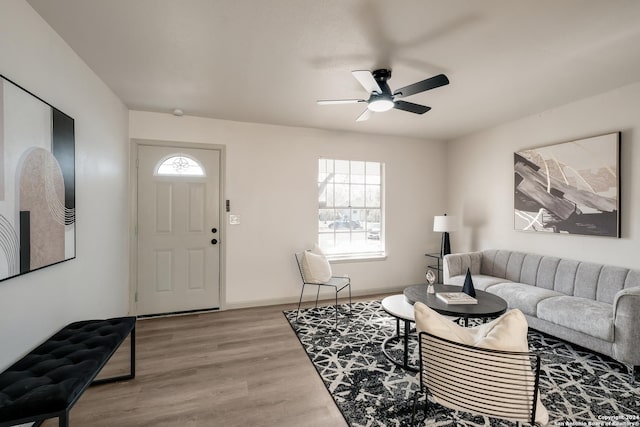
(456, 298)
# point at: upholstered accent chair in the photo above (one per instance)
(485, 370)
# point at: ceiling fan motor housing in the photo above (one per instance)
(379, 102)
(381, 76)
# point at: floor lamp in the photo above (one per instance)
(444, 224)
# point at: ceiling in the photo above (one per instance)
(268, 61)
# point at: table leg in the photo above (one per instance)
(404, 336)
(406, 344)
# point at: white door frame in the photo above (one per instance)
(133, 213)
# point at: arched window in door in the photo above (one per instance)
(179, 165)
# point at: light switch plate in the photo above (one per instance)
(234, 219)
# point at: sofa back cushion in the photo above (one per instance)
(530, 266)
(633, 279)
(546, 277)
(500, 263)
(587, 280)
(581, 279)
(566, 276)
(457, 264)
(514, 266)
(488, 260)
(497, 263)
(610, 281)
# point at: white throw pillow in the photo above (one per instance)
(315, 268)
(316, 250)
(507, 333)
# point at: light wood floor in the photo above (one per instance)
(231, 368)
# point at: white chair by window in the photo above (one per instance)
(315, 270)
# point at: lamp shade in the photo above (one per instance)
(444, 223)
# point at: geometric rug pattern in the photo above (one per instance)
(577, 387)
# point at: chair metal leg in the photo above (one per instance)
(413, 413)
(337, 290)
(299, 302)
(336, 307)
(416, 397)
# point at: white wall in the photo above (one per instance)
(95, 284)
(271, 175)
(480, 179)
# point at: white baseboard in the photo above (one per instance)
(307, 298)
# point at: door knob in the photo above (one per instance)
(214, 241)
(214, 230)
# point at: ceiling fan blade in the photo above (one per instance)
(364, 116)
(430, 83)
(411, 107)
(365, 78)
(339, 101)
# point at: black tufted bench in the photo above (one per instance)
(49, 380)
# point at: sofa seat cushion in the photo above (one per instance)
(584, 315)
(480, 281)
(523, 297)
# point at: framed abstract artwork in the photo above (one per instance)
(37, 183)
(572, 187)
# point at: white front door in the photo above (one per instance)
(178, 229)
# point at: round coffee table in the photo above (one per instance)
(488, 305)
(398, 307)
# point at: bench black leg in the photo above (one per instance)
(133, 352)
(132, 362)
(63, 420)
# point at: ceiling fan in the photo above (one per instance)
(380, 96)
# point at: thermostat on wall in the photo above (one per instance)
(234, 219)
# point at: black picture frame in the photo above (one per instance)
(37, 182)
(569, 188)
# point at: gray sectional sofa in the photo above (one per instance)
(595, 306)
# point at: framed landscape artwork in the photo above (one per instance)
(571, 188)
(37, 183)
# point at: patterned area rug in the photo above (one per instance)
(577, 387)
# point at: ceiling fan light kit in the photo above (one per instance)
(380, 96)
(380, 104)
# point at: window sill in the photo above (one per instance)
(338, 259)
